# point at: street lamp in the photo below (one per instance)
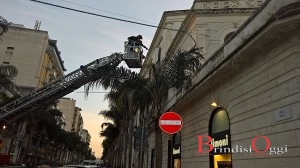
(214, 104)
(3, 25)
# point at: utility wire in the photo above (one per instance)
(105, 11)
(93, 92)
(113, 18)
(90, 13)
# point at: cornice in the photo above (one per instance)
(157, 35)
(227, 4)
(224, 11)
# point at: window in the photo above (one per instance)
(8, 54)
(9, 50)
(159, 55)
(228, 36)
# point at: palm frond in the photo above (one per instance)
(113, 114)
(7, 74)
(110, 130)
(109, 77)
(106, 124)
(179, 68)
(3, 25)
(8, 70)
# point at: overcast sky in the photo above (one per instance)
(82, 38)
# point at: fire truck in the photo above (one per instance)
(43, 96)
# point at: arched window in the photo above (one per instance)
(219, 131)
(227, 37)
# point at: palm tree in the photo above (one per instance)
(7, 75)
(118, 113)
(175, 72)
(45, 118)
(129, 96)
(43, 123)
(117, 96)
(111, 131)
(3, 25)
(125, 100)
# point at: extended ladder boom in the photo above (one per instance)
(57, 89)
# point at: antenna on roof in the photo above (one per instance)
(37, 25)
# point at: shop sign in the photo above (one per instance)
(176, 151)
(218, 142)
(221, 139)
(220, 146)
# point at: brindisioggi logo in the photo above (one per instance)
(222, 146)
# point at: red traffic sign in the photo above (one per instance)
(170, 122)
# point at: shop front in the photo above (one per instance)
(219, 131)
(176, 152)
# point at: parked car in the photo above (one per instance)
(80, 166)
(4, 159)
(93, 162)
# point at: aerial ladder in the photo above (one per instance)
(68, 83)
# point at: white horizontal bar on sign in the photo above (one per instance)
(170, 122)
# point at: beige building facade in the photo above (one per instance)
(252, 76)
(38, 62)
(72, 115)
(35, 55)
(85, 136)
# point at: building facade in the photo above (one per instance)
(72, 115)
(85, 136)
(243, 107)
(35, 55)
(38, 62)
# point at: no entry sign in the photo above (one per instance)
(170, 122)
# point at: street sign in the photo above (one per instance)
(170, 122)
(140, 135)
(141, 131)
(138, 144)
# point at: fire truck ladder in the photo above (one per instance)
(57, 89)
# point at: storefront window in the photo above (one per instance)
(219, 131)
(176, 163)
(176, 151)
